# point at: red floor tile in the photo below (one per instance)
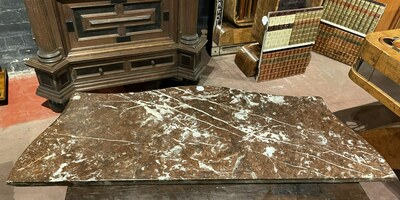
(23, 104)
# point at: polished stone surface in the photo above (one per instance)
(197, 135)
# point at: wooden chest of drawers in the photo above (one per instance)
(86, 45)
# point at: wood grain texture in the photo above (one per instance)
(263, 8)
(3, 85)
(247, 59)
(227, 34)
(376, 92)
(382, 56)
(101, 42)
(188, 21)
(396, 22)
(314, 3)
(389, 16)
(386, 141)
(232, 12)
(42, 30)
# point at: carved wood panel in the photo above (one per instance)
(99, 23)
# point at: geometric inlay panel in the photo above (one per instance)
(117, 19)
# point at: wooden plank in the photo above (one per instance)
(376, 92)
(3, 86)
(386, 141)
(382, 56)
(247, 59)
(392, 7)
(231, 35)
(396, 22)
(263, 8)
(227, 191)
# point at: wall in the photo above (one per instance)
(15, 36)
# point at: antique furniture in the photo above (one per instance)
(378, 72)
(87, 45)
(343, 27)
(3, 86)
(198, 139)
(285, 40)
(232, 25)
(234, 19)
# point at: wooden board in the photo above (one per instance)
(386, 141)
(224, 191)
(247, 59)
(389, 16)
(263, 8)
(233, 12)
(383, 57)
(228, 34)
(3, 85)
(396, 22)
(376, 92)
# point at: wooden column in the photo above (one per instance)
(42, 31)
(188, 21)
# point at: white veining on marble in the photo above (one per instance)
(269, 151)
(202, 132)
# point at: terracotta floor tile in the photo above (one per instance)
(23, 104)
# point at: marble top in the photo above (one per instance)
(197, 135)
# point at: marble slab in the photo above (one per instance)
(197, 135)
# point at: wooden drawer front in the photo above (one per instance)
(91, 23)
(160, 61)
(98, 70)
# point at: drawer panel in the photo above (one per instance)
(92, 23)
(159, 61)
(98, 70)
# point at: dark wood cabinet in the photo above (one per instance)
(85, 45)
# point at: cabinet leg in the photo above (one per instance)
(57, 107)
(188, 82)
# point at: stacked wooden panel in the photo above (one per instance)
(344, 25)
(240, 12)
(338, 44)
(284, 63)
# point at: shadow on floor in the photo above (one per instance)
(6, 192)
(367, 117)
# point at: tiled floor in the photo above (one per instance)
(26, 116)
(23, 104)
